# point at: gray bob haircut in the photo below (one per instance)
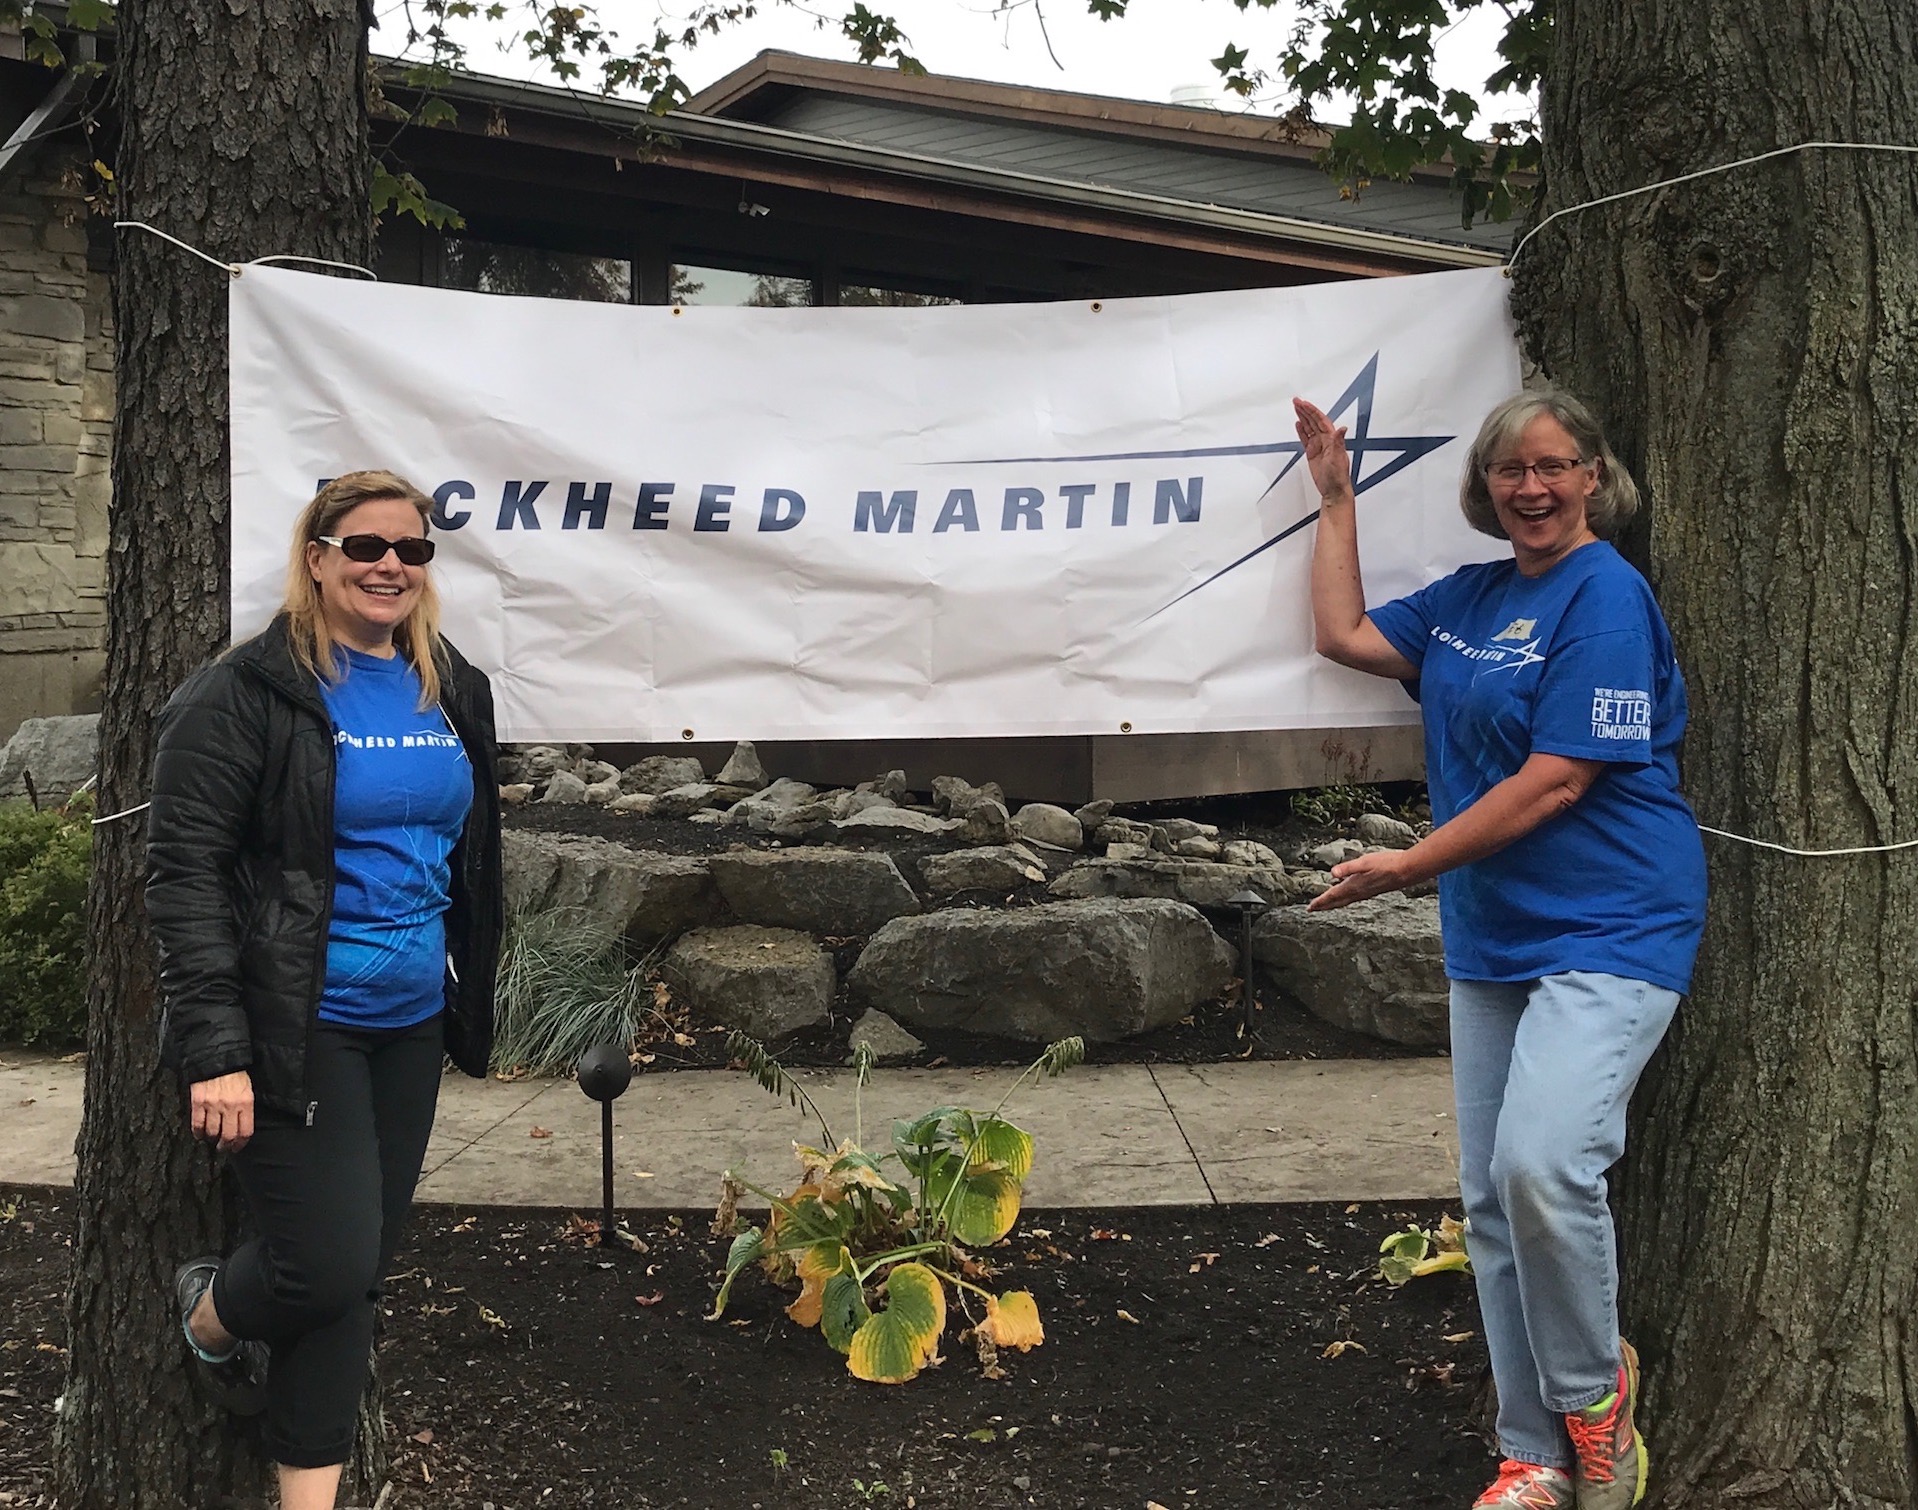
(1605, 511)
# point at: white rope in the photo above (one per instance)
(127, 813)
(1812, 854)
(1666, 183)
(237, 268)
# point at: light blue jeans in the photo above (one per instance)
(1542, 1071)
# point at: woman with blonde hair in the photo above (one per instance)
(1571, 899)
(323, 881)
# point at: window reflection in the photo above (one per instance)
(724, 285)
(872, 296)
(490, 267)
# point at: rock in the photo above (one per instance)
(1199, 883)
(1093, 814)
(1042, 823)
(593, 772)
(784, 822)
(897, 820)
(537, 763)
(566, 789)
(1100, 969)
(783, 796)
(985, 822)
(639, 804)
(707, 816)
(1197, 848)
(613, 891)
(58, 753)
(764, 981)
(1176, 829)
(1000, 868)
(954, 796)
(1125, 831)
(839, 893)
(1128, 852)
(515, 794)
(892, 784)
(1031, 857)
(849, 804)
(1389, 833)
(1375, 967)
(603, 793)
(1325, 856)
(684, 801)
(658, 774)
(889, 1041)
(743, 769)
(1248, 852)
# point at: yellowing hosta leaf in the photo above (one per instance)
(1002, 1145)
(984, 1209)
(843, 1310)
(894, 1344)
(1012, 1320)
(814, 1266)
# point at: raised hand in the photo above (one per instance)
(1325, 454)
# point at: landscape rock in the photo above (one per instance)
(684, 801)
(1093, 814)
(535, 763)
(849, 804)
(1126, 831)
(603, 792)
(1197, 848)
(782, 796)
(986, 822)
(889, 1041)
(954, 796)
(999, 868)
(892, 784)
(838, 893)
(514, 794)
(639, 804)
(764, 981)
(1249, 852)
(1389, 833)
(565, 789)
(59, 753)
(1375, 967)
(743, 769)
(1325, 856)
(658, 774)
(1129, 852)
(1042, 823)
(593, 772)
(1101, 969)
(897, 820)
(612, 891)
(1199, 883)
(783, 822)
(1176, 829)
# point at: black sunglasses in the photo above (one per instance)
(412, 551)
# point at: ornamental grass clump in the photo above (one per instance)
(875, 1252)
(562, 989)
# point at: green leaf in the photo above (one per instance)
(893, 1345)
(437, 112)
(89, 15)
(843, 1310)
(982, 1209)
(996, 1143)
(746, 1248)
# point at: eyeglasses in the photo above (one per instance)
(1550, 469)
(412, 551)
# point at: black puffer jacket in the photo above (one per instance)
(240, 869)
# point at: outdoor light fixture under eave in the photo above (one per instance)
(604, 1073)
(1248, 904)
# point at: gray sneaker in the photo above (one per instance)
(1612, 1460)
(237, 1380)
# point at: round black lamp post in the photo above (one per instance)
(1248, 904)
(604, 1073)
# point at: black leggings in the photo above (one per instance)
(329, 1200)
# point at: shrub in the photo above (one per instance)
(560, 992)
(44, 859)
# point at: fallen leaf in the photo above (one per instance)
(27, 1102)
(641, 1174)
(1351, 1208)
(651, 1300)
(983, 1434)
(491, 1317)
(1458, 1336)
(662, 994)
(425, 1437)
(540, 1132)
(1203, 1261)
(937, 1062)
(1268, 1240)
(1340, 1348)
(1128, 1316)
(686, 1040)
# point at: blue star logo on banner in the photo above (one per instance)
(1375, 459)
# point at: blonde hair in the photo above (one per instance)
(1617, 497)
(417, 636)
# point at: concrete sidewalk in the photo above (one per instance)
(1114, 1135)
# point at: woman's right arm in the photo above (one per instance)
(1340, 629)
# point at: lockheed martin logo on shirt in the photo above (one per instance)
(1518, 629)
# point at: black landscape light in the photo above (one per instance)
(604, 1073)
(1248, 904)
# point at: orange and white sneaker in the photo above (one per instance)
(1528, 1486)
(1612, 1461)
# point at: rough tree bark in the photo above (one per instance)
(243, 132)
(1753, 340)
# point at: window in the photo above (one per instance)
(490, 267)
(721, 285)
(872, 296)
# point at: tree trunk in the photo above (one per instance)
(1752, 340)
(244, 133)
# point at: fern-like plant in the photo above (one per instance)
(876, 1242)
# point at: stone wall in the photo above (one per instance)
(56, 427)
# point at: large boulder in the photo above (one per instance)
(1199, 883)
(1054, 827)
(744, 768)
(838, 893)
(58, 753)
(658, 774)
(1101, 969)
(1374, 967)
(998, 867)
(612, 891)
(764, 981)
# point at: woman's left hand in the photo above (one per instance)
(1364, 878)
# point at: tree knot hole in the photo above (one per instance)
(1707, 262)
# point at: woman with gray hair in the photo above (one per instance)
(1571, 894)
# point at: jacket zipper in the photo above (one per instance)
(326, 924)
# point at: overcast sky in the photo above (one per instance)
(1159, 47)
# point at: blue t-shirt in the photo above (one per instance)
(401, 790)
(1574, 662)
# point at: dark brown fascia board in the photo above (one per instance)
(611, 125)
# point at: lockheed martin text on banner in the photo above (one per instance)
(1074, 518)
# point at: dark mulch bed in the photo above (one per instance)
(681, 1038)
(1191, 1360)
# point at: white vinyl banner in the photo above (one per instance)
(1073, 518)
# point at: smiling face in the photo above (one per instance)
(1545, 521)
(365, 601)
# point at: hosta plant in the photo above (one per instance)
(1417, 1252)
(879, 1243)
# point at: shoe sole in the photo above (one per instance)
(1644, 1456)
